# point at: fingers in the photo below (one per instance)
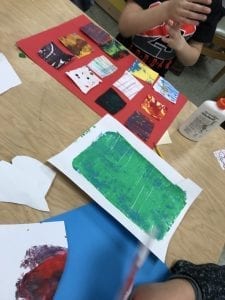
(174, 39)
(191, 18)
(196, 7)
(172, 26)
(194, 17)
(197, 12)
(203, 2)
(192, 11)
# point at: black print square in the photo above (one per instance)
(111, 101)
(54, 56)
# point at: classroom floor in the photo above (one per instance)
(194, 82)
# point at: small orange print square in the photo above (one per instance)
(154, 108)
(76, 44)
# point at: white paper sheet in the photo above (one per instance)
(128, 85)
(25, 181)
(15, 240)
(63, 161)
(8, 77)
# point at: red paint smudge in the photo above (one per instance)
(41, 282)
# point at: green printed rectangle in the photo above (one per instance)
(131, 183)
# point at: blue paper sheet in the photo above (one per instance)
(100, 255)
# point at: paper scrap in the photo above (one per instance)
(33, 257)
(97, 34)
(140, 125)
(111, 101)
(115, 49)
(143, 72)
(128, 85)
(76, 44)
(154, 108)
(220, 156)
(166, 89)
(165, 139)
(8, 77)
(54, 56)
(84, 78)
(102, 66)
(25, 181)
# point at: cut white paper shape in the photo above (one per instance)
(128, 85)
(165, 139)
(84, 78)
(102, 66)
(63, 161)
(220, 156)
(16, 239)
(25, 181)
(8, 77)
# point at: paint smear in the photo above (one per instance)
(139, 125)
(46, 265)
(154, 108)
(131, 183)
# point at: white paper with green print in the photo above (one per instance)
(128, 180)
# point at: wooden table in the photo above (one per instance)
(40, 118)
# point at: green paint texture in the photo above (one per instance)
(131, 183)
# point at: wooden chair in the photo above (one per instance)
(217, 50)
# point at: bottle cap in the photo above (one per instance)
(221, 103)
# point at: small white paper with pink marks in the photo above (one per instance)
(220, 156)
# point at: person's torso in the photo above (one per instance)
(150, 48)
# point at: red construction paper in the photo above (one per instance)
(31, 45)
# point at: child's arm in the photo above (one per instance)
(134, 19)
(187, 53)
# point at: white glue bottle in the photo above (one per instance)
(209, 115)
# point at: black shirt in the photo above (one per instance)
(149, 47)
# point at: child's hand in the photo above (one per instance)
(188, 11)
(174, 40)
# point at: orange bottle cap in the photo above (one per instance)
(221, 103)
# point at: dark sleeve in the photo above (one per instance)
(143, 3)
(205, 30)
(83, 4)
